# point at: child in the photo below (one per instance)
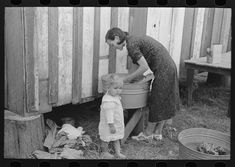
(111, 125)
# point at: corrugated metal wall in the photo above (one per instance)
(71, 54)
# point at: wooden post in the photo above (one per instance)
(131, 124)
(142, 122)
(22, 135)
(190, 75)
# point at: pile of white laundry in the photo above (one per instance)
(66, 142)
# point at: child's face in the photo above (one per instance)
(115, 89)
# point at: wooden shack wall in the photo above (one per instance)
(70, 54)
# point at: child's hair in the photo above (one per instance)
(111, 80)
(115, 31)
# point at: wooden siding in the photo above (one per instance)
(14, 51)
(70, 53)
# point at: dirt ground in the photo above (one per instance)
(209, 110)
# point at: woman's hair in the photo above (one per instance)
(116, 32)
(111, 79)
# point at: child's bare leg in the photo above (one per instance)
(159, 127)
(150, 128)
(117, 148)
(104, 150)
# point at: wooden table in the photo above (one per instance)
(223, 68)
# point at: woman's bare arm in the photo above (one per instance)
(143, 66)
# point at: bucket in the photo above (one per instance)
(190, 139)
(134, 95)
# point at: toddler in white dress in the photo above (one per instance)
(111, 125)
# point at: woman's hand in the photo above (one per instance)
(112, 128)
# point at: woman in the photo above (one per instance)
(148, 53)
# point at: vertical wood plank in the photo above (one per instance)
(207, 30)
(44, 107)
(105, 22)
(198, 33)
(159, 24)
(112, 51)
(153, 22)
(165, 26)
(137, 26)
(53, 54)
(138, 16)
(41, 52)
(226, 23)
(121, 55)
(229, 40)
(96, 51)
(29, 58)
(87, 59)
(14, 37)
(187, 40)
(65, 25)
(193, 32)
(31, 81)
(176, 35)
(5, 80)
(217, 23)
(41, 34)
(77, 54)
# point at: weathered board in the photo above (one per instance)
(176, 35)
(121, 56)
(14, 52)
(41, 54)
(217, 24)
(207, 30)
(96, 52)
(77, 55)
(31, 68)
(165, 26)
(137, 26)
(65, 28)
(53, 52)
(198, 33)
(105, 22)
(112, 51)
(87, 56)
(226, 25)
(187, 40)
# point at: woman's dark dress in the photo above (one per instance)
(164, 99)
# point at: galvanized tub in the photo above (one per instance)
(189, 139)
(134, 95)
